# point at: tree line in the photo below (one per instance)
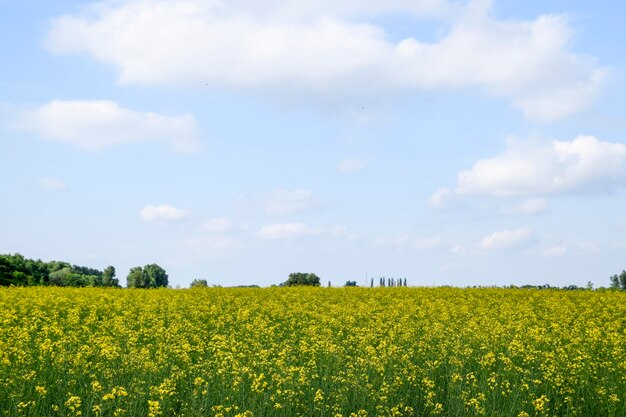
(618, 282)
(19, 271)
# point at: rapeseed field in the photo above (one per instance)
(312, 352)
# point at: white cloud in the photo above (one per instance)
(505, 239)
(290, 202)
(305, 10)
(165, 212)
(283, 231)
(554, 251)
(95, 125)
(582, 165)
(333, 49)
(569, 99)
(439, 197)
(51, 184)
(218, 225)
(350, 165)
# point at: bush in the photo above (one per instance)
(199, 283)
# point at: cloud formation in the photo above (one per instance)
(583, 165)
(94, 125)
(505, 239)
(439, 197)
(332, 49)
(164, 212)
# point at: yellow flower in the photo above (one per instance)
(319, 396)
(540, 403)
(154, 408)
(73, 404)
(119, 391)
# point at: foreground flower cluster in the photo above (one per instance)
(312, 352)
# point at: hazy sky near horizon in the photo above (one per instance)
(448, 142)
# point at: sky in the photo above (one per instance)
(449, 142)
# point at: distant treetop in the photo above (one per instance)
(300, 278)
(150, 276)
(199, 283)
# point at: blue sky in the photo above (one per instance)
(452, 143)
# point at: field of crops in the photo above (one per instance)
(312, 352)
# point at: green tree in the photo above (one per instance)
(350, 284)
(156, 276)
(135, 278)
(199, 283)
(618, 282)
(17, 270)
(150, 276)
(60, 278)
(300, 278)
(5, 271)
(77, 280)
(108, 277)
(94, 280)
(622, 280)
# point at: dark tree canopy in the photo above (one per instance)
(17, 270)
(300, 278)
(108, 277)
(150, 276)
(156, 276)
(135, 278)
